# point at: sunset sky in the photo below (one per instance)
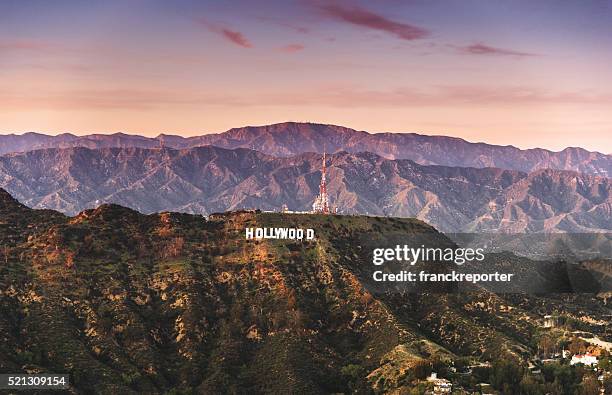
(527, 73)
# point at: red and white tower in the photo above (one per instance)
(321, 203)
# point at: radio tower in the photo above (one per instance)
(321, 203)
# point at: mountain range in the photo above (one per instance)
(291, 138)
(210, 179)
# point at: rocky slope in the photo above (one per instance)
(290, 138)
(131, 303)
(210, 179)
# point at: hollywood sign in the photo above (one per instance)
(279, 233)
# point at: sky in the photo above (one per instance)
(517, 72)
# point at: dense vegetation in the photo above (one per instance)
(176, 303)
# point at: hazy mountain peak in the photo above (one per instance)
(293, 138)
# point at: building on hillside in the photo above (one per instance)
(585, 359)
(440, 385)
(285, 210)
(550, 321)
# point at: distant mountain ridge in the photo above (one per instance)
(211, 179)
(291, 138)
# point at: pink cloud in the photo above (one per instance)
(483, 49)
(291, 48)
(233, 36)
(236, 37)
(358, 16)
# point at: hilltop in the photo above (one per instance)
(128, 303)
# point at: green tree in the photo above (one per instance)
(605, 361)
(506, 373)
(564, 377)
(422, 369)
(529, 386)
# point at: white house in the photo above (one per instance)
(585, 359)
(441, 386)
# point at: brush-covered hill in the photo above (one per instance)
(211, 179)
(294, 138)
(132, 303)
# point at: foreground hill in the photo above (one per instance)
(210, 179)
(128, 303)
(291, 138)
